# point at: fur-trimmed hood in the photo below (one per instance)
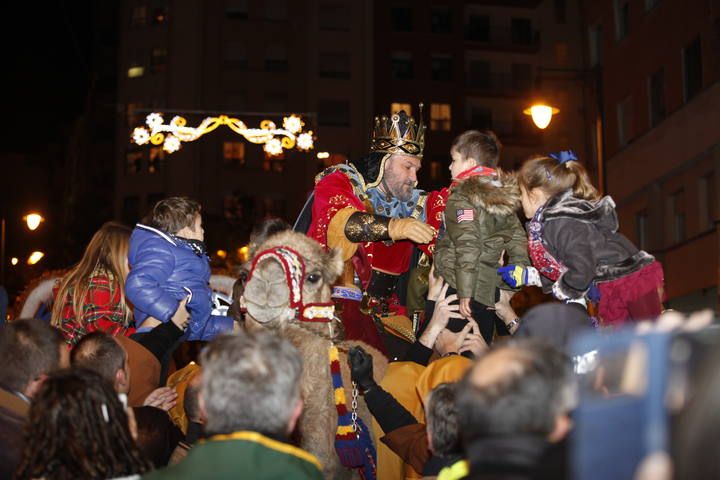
(498, 195)
(601, 213)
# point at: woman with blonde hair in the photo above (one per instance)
(91, 296)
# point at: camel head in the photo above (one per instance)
(290, 272)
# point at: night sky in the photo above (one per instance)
(46, 66)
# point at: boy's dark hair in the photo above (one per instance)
(101, 353)
(482, 146)
(28, 348)
(442, 420)
(173, 214)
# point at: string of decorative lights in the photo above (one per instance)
(274, 140)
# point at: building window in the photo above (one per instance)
(441, 66)
(692, 69)
(276, 101)
(622, 19)
(479, 117)
(440, 20)
(440, 117)
(401, 19)
(138, 18)
(402, 65)
(435, 170)
(133, 118)
(642, 225)
(595, 37)
(136, 71)
(478, 74)
(276, 10)
(235, 55)
(521, 31)
(159, 15)
(650, 4)
(478, 28)
(562, 55)
(158, 60)
(133, 162)
(334, 16)
(234, 153)
(156, 159)
(274, 163)
(707, 196)
(400, 107)
(656, 92)
(522, 76)
(677, 215)
(560, 11)
(625, 121)
(334, 65)
(131, 210)
(154, 198)
(236, 9)
(276, 58)
(334, 113)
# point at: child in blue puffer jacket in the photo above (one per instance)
(169, 262)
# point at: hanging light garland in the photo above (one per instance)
(172, 135)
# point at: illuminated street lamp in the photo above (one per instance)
(541, 114)
(33, 220)
(14, 261)
(35, 257)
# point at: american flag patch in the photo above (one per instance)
(465, 215)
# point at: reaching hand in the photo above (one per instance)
(451, 342)
(163, 398)
(465, 310)
(361, 368)
(444, 311)
(474, 342)
(435, 285)
(410, 229)
(181, 316)
(517, 276)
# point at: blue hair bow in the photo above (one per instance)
(563, 156)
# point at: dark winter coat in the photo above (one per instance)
(468, 252)
(583, 236)
(164, 270)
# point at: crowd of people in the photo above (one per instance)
(424, 280)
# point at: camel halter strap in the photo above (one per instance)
(294, 267)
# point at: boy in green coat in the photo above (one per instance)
(480, 224)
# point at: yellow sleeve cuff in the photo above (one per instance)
(336, 233)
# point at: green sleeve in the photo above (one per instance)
(468, 244)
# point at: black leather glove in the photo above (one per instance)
(361, 369)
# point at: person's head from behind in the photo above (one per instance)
(157, 435)
(443, 426)
(251, 382)
(473, 148)
(106, 254)
(542, 178)
(30, 350)
(191, 401)
(78, 428)
(521, 388)
(101, 353)
(179, 216)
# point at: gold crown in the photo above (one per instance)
(398, 134)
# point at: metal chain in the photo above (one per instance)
(353, 407)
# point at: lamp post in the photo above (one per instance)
(542, 113)
(32, 221)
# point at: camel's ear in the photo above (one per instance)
(332, 265)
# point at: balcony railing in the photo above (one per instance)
(502, 38)
(499, 82)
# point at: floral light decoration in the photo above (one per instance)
(172, 135)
